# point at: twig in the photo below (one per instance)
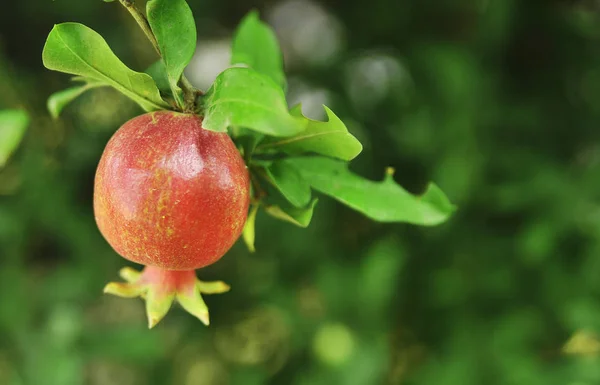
(190, 92)
(142, 22)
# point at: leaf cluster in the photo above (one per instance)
(289, 156)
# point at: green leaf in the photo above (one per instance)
(172, 23)
(286, 178)
(299, 217)
(255, 44)
(76, 49)
(13, 124)
(59, 100)
(249, 233)
(158, 72)
(243, 97)
(329, 138)
(246, 140)
(381, 201)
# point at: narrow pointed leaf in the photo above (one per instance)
(383, 201)
(294, 215)
(249, 233)
(59, 100)
(13, 124)
(245, 98)
(172, 23)
(76, 49)
(255, 44)
(287, 179)
(329, 138)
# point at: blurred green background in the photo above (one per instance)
(497, 101)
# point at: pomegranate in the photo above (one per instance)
(174, 197)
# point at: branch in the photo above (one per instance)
(142, 22)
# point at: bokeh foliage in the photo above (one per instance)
(496, 101)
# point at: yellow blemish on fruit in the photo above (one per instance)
(153, 117)
(179, 115)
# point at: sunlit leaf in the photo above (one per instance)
(172, 23)
(245, 98)
(329, 138)
(76, 49)
(383, 201)
(255, 44)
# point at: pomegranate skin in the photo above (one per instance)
(170, 194)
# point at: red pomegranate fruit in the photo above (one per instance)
(174, 197)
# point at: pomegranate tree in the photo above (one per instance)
(172, 190)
